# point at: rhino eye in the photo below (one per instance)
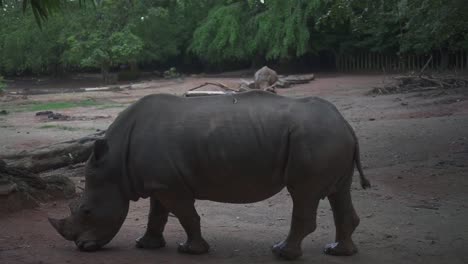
(87, 212)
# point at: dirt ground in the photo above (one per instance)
(414, 149)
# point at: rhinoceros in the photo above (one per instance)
(239, 148)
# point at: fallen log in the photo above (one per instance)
(54, 156)
(21, 186)
(21, 189)
(283, 82)
(291, 80)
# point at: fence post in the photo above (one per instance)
(386, 63)
(405, 61)
(367, 60)
(432, 61)
(346, 62)
(362, 61)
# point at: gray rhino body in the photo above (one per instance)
(239, 148)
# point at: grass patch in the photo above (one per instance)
(102, 107)
(60, 105)
(66, 128)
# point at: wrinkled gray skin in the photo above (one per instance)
(265, 78)
(240, 148)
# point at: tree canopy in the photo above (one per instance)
(54, 36)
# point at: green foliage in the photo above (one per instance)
(24, 47)
(217, 32)
(239, 30)
(283, 30)
(159, 34)
(171, 73)
(433, 24)
(102, 38)
(223, 34)
(42, 9)
(417, 26)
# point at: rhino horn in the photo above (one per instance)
(63, 227)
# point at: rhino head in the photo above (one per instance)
(98, 214)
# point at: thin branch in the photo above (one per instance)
(425, 66)
(223, 86)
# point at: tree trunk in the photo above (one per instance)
(105, 72)
(53, 156)
(133, 66)
(444, 59)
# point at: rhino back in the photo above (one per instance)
(222, 148)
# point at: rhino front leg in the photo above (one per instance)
(303, 222)
(346, 221)
(188, 217)
(157, 219)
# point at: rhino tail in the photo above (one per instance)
(365, 183)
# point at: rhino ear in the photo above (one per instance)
(100, 149)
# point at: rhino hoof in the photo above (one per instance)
(150, 242)
(340, 249)
(194, 248)
(281, 250)
(87, 246)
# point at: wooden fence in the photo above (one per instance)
(457, 61)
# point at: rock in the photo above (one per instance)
(53, 116)
(115, 88)
(44, 113)
(58, 116)
(264, 78)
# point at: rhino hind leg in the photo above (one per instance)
(157, 219)
(346, 221)
(188, 217)
(303, 222)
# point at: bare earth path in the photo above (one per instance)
(414, 149)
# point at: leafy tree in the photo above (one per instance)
(222, 35)
(24, 47)
(103, 38)
(159, 34)
(219, 32)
